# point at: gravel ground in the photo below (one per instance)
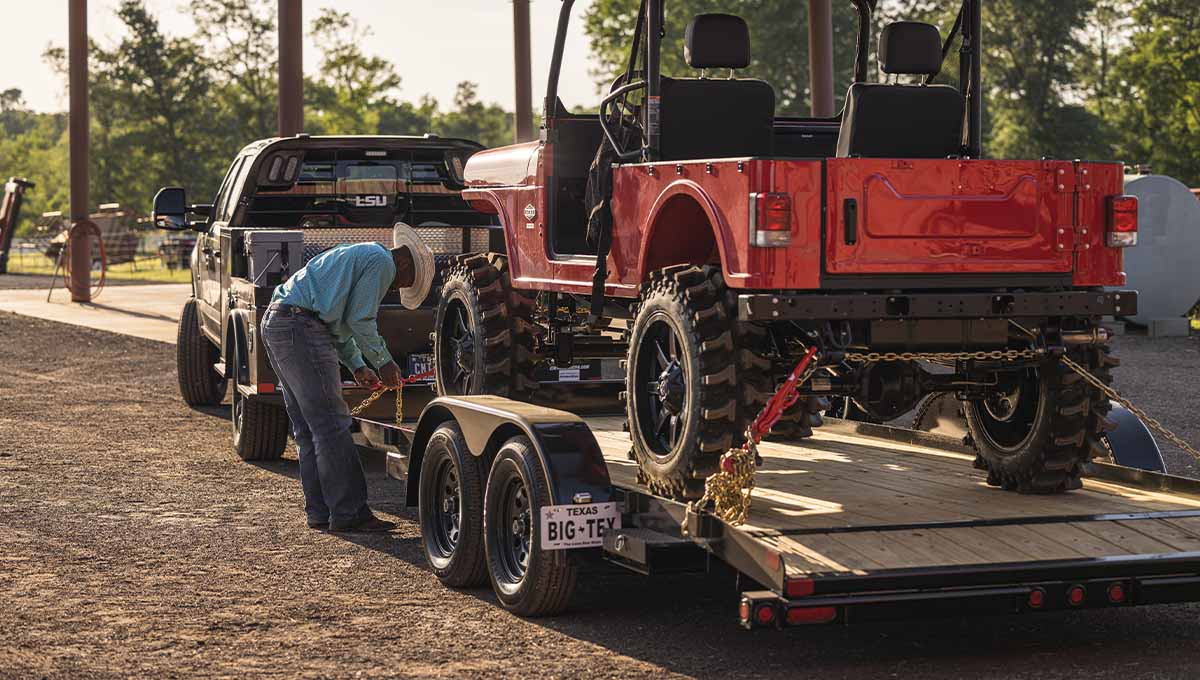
(134, 544)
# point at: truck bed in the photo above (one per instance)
(843, 503)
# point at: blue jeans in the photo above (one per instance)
(301, 351)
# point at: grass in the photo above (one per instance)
(146, 268)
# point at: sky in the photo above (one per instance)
(434, 44)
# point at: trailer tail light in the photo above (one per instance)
(266, 388)
(798, 616)
(1116, 593)
(1122, 221)
(1037, 598)
(770, 220)
(1076, 595)
(764, 615)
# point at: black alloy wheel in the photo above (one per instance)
(663, 374)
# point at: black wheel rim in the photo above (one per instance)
(458, 349)
(661, 379)
(447, 510)
(1007, 418)
(514, 533)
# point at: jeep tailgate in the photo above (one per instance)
(887, 216)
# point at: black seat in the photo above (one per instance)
(904, 121)
(716, 117)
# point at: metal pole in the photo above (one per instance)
(524, 71)
(80, 243)
(291, 68)
(820, 57)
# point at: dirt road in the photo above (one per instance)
(133, 543)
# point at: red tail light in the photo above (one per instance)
(1122, 221)
(797, 616)
(266, 388)
(770, 220)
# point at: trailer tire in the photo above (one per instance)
(1043, 445)
(260, 428)
(450, 509)
(195, 361)
(483, 333)
(528, 580)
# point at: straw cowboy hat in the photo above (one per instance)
(424, 267)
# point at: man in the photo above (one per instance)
(325, 314)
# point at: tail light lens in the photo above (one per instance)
(770, 220)
(1122, 221)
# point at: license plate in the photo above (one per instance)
(577, 526)
(420, 363)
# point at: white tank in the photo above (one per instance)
(1164, 267)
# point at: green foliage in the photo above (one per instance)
(175, 110)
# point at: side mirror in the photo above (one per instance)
(170, 209)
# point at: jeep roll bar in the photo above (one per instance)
(651, 15)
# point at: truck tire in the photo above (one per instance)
(260, 428)
(483, 333)
(528, 580)
(450, 507)
(681, 380)
(1037, 437)
(195, 360)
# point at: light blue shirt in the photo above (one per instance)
(344, 286)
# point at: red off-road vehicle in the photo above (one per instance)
(707, 241)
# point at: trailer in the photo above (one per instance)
(859, 523)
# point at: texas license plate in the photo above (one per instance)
(419, 364)
(578, 526)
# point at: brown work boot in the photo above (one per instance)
(366, 525)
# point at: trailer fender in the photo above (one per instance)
(571, 458)
(1132, 444)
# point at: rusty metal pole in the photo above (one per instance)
(524, 72)
(820, 57)
(291, 68)
(81, 242)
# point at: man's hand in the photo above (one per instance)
(391, 376)
(367, 378)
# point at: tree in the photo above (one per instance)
(240, 44)
(1157, 80)
(353, 88)
(488, 124)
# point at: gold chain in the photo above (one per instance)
(375, 397)
(994, 355)
(1112, 394)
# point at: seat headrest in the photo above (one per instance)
(717, 41)
(910, 48)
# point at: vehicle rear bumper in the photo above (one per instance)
(935, 305)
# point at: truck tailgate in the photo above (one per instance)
(888, 216)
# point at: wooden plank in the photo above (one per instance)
(1035, 545)
(1077, 539)
(1166, 532)
(1132, 540)
(881, 548)
(987, 547)
(820, 553)
(938, 546)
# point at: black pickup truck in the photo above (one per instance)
(283, 201)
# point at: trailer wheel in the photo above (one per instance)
(528, 580)
(195, 360)
(260, 428)
(680, 380)
(1046, 424)
(483, 338)
(450, 508)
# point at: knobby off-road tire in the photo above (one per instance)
(450, 507)
(195, 357)
(681, 364)
(757, 383)
(1051, 435)
(484, 336)
(528, 580)
(260, 428)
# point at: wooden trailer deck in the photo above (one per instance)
(844, 503)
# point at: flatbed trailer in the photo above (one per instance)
(859, 523)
